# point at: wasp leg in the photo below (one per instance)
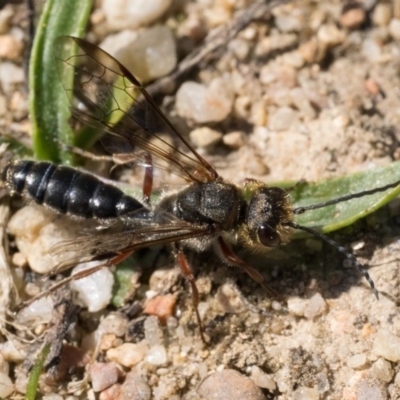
(187, 272)
(148, 178)
(233, 259)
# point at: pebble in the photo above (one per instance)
(135, 388)
(297, 306)
(353, 18)
(52, 396)
(302, 103)
(36, 233)
(357, 361)
(372, 50)
(235, 139)
(282, 119)
(288, 23)
(127, 355)
(11, 48)
(149, 53)
(305, 393)
(10, 74)
(161, 306)
(157, 355)
(6, 386)
(153, 332)
(316, 306)
(94, 291)
(382, 14)
(394, 28)
(132, 14)
(13, 352)
(39, 312)
(205, 137)
(6, 15)
(382, 370)
(330, 35)
(103, 375)
(203, 104)
(240, 47)
(162, 280)
(114, 323)
(387, 345)
(261, 379)
(229, 385)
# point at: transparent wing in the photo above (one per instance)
(120, 237)
(106, 96)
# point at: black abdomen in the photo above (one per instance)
(67, 190)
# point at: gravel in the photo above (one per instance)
(309, 93)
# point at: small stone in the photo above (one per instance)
(112, 393)
(11, 48)
(153, 332)
(162, 280)
(282, 119)
(229, 385)
(131, 14)
(12, 351)
(235, 140)
(297, 306)
(93, 291)
(6, 386)
(205, 104)
(10, 74)
(330, 35)
(161, 306)
(394, 28)
(353, 18)
(205, 137)
(382, 14)
(316, 306)
(228, 299)
(127, 355)
(387, 345)
(103, 375)
(6, 15)
(372, 50)
(114, 323)
(372, 86)
(305, 393)
(39, 312)
(135, 388)
(52, 396)
(358, 361)
(240, 48)
(149, 53)
(288, 23)
(261, 379)
(157, 355)
(382, 370)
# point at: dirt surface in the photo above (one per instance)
(315, 95)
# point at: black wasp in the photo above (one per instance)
(209, 211)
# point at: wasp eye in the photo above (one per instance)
(268, 236)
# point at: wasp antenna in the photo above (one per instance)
(340, 249)
(301, 210)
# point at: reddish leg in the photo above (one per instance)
(148, 178)
(187, 272)
(233, 259)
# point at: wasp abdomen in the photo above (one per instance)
(67, 190)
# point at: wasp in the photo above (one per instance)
(209, 211)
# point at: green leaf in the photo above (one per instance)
(337, 216)
(123, 286)
(49, 107)
(34, 375)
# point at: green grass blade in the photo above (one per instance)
(337, 216)
(34, 375)
(48, 103)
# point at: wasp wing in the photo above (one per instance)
(106, 96)
(106, 242)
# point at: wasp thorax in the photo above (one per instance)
(269, 208)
